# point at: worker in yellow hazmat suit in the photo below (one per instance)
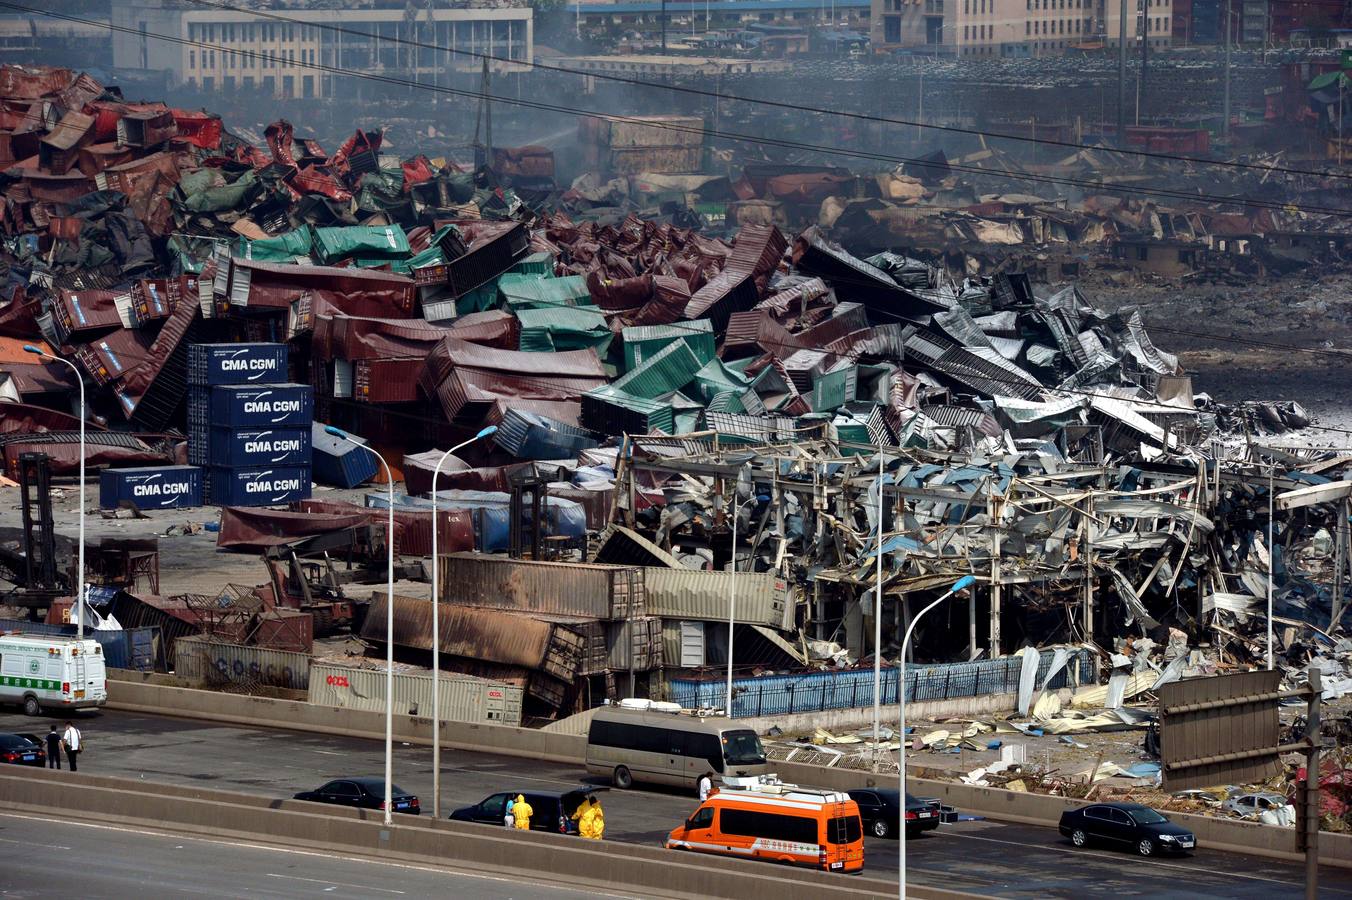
(521, 813)
(593, 822)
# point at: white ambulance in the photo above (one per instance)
(51, 672)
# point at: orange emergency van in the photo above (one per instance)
(780, 822)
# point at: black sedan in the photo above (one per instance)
(1126, 825)
(21, 750)
(550, 810)
(362, 793)
(880, 811)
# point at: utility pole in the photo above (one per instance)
(1122, 75)
(1145, 52)
(664, 26)
(1225, 125)
(1308, 833)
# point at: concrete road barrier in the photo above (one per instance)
(542, 857)
(132, 691)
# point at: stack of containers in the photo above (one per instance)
(247, 425)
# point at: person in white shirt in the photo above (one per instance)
(71, 740)
(706, 785)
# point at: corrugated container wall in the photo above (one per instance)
(463, 697)
(211, 662)
(571, 589)
(762, 598)
(638, 640)
(489, 635)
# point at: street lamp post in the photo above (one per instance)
(388, 806)
(878, 623)
(961, 584)
(80, 575)
(436, 628)
(732, 589)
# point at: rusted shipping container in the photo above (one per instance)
(386, 380)
(413, 527)
(575, 589)
(209, 662)
(286, 629)
(463, 698)
(638, 161)
(641, 131)
(531, 161)
(634, 643)
(762, 598)
(489, 635)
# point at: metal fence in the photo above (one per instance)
(815, 691)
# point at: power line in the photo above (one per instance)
(778, 104)
(1090, 186)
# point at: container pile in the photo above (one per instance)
(248, 425)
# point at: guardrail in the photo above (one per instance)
(137, 692)
(555, 859)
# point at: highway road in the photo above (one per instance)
(45, 858)
(985, 857)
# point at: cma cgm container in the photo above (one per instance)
(464, 698)
(249, 447)
(155, 487)
(248, 405)
(213, 364)
(258, 487)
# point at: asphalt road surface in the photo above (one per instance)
(45, 858)
(984, 857)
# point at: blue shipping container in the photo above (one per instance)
(213, 364)
(252, 405)
(259, 486)
(158, 487)
(251, 447)
(131, 648)
(339, 462)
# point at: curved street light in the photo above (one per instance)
(732, 590)
(436, 628)
(961, 584)
(80, 575)
(388, 806)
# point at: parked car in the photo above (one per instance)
(879, 809)
(551, 810)
(22, 750)
(1126, 824)
(362, 793)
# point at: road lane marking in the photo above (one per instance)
(360, 887)
(327, 752)
(329, 856)
(32, 844)
(1152, 862)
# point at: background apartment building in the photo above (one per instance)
(1015, 28)
(300, 58)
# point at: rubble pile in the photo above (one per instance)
(668, 388)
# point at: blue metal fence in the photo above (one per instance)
(814, 691)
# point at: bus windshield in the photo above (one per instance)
(743, 748)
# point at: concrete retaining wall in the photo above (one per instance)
(147, 696)
(144, 695)
(645, 871)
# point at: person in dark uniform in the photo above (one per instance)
(53, 748)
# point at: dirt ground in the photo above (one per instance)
(1287, 339)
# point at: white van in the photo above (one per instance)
(41, 672)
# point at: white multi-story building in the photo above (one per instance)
(288, 51)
